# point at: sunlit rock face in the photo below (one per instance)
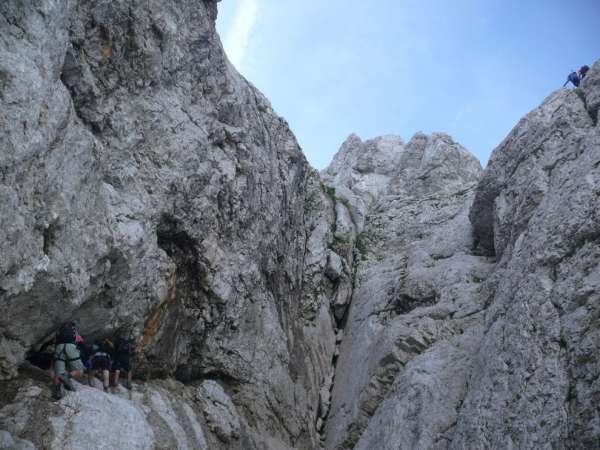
(403, 298)
(536, 208)
(480, 332)
(416, 308)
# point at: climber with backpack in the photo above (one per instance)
(100, 361)
(67, 359)
(122, 361)
(573, 78)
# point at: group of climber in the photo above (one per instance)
(576, 76)
(73, 357)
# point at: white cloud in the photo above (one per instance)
(240, 33)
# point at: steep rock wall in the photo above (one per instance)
(147, 188)
(415, 303)
(535, 382)
(490, 337)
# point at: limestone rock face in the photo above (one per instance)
(415, 304)
(360, 171)
(147, 188)
(590, 88)
(155, 415)
(535, 379)
(403, 298)
(491, 339)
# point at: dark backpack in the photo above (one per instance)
(66, 334)
(85, 350)
(123, 347)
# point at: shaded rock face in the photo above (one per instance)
(147, 188)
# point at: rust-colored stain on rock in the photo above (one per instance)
(154, 321)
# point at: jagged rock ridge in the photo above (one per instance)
(415, 289)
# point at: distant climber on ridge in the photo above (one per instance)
(573, 78)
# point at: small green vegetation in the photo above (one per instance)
(580, 94)
(330, 191)
(362, 248)
(339, 245)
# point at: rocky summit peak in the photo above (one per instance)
(363, 171)
(401, 299)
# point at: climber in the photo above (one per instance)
(85, 350)
(109, 348)
(67, 359)
(122, 361)
(582, 71)
(573, 78)
(100, 361)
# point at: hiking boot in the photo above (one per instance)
(106, 389)
(64, 378)
(57, 393)
(128, 385)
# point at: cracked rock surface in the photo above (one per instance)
(483, 336)
(535, 380)
(415, 306)
(147, 188)
(401, 299)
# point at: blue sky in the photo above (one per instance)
(470, 68)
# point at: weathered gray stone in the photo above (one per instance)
(534, 382)
(7, 442)
(152, 416)
(147, 188)
(413, 287)
(519, 370)
(590, 88)
(219, 412)
(335, 267)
